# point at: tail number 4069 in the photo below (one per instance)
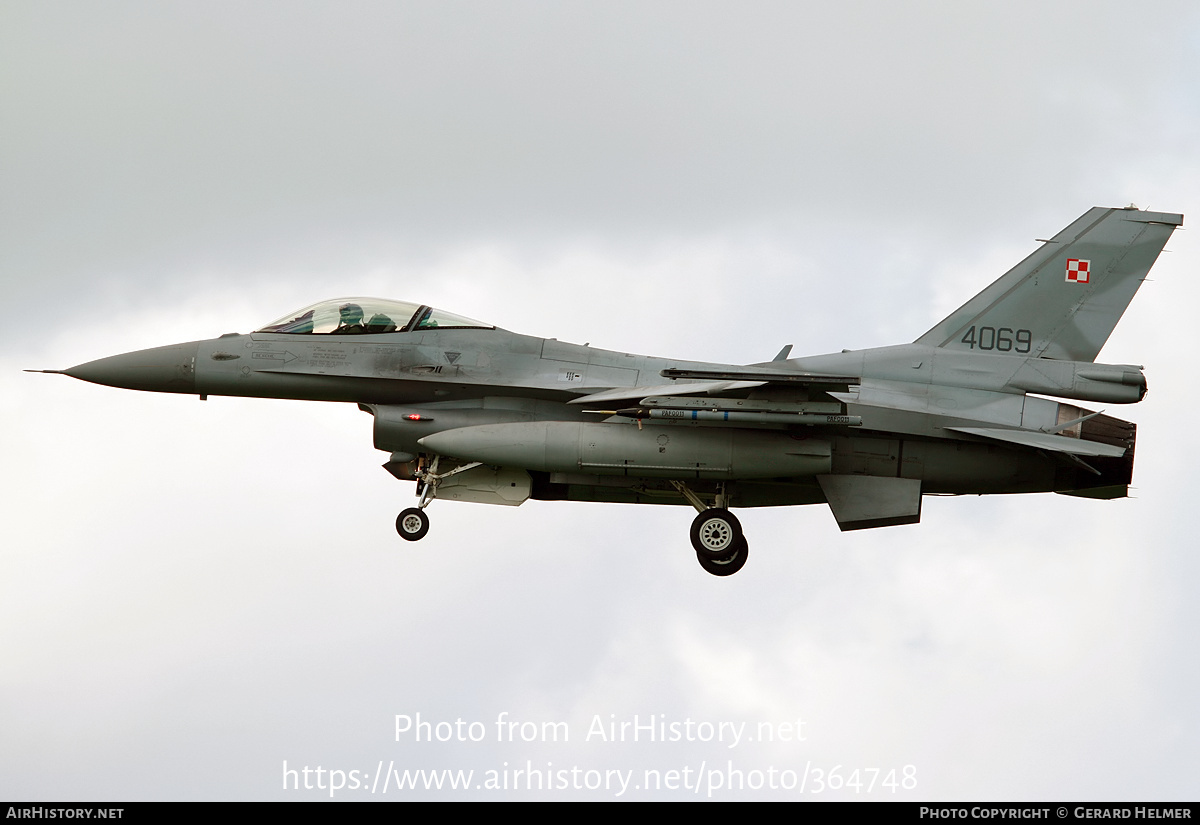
(1002, 340)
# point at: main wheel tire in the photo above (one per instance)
(412, 524)
(715, 533)
(729, 565)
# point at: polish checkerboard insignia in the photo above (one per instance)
(1078, 271)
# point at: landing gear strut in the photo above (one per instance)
(412, 524)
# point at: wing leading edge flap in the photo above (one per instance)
(1044, 441)
(826, 383)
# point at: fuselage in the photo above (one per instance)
(418, 383)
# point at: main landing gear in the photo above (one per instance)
(716, 534)
(729, 565)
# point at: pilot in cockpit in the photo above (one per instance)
(351, 320)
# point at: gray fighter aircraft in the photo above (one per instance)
(472, 412)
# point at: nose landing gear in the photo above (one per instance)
(412, 524)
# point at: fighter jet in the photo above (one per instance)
(472, 412)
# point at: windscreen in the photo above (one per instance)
(346, 316)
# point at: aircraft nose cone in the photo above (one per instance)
(161, 369)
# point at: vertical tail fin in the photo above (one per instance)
(1065, 299)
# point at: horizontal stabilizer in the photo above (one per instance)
(1101, 493)
(1045, 441)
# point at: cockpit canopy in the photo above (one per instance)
(366, 316)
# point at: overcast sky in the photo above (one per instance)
(192, 594)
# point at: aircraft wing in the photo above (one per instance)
(1045, 441)
(638, 393)
(720, 381)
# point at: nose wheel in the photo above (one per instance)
(412, 524)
